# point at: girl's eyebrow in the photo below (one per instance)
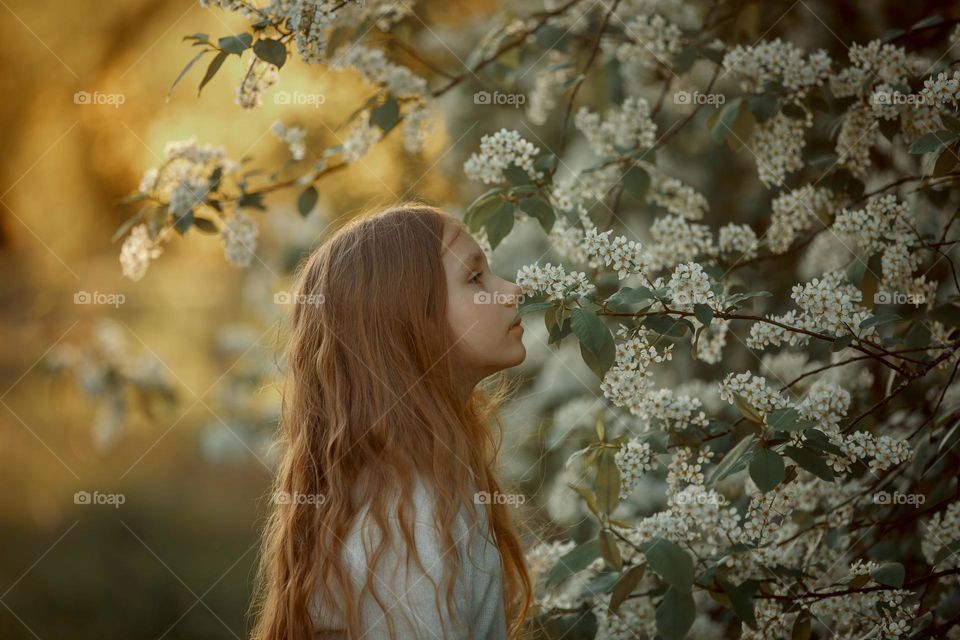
(474, 258)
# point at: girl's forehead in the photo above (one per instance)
(458, 242)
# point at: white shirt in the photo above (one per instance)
(409, 593)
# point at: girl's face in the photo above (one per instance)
(481, 308)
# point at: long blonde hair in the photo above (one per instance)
(370, 399)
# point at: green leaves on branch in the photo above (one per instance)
(597, 346)
(788, 419)
(387, 115)
(930, 142)
(766, 469)
(636, 181)
(889, 573)
(735, 460)
(733, 123)
(307, 201)
(496, 215)
(272, 51)
(538, 208)
(675, 614)
(236, 44)
(607, 483)
(574, 561)
(669, 561)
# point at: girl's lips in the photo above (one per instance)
(516, 325)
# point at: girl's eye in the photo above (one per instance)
(476, 276)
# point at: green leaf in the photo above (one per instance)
(930, 142)
(801, 626)
(746, 409)
(609, 550)
(810, 461)
(252, 201)
(929, 21)
(272, 51)
(856, 270)
(763, 106)
(499, 223)
(945, 163)
(740, 297)
(625, 586)
(205, 225)
(516, 175)
(575, 560)
(766, 469)
(636, 181)
(675, 614)
(889, 573)
(950, 122)
(590, 330)
(733, 461)
(183, 223)
(387, 115)
(600, 362)
(478, 211)
(670, 562)
(667, 326)
(741, 600)
(236, 44)
(212, 70)
(607, 484)
(788, 419)
(725, 120)
(947, 550)
(704, 313)
(184, 71)
(545, 162)
(534, 307)
(622, 299)
(537, 207)
(741, 130)
(307, 201)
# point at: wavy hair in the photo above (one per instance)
(369, 398)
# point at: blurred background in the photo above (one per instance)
(137, 416)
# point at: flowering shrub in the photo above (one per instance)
(771, 455)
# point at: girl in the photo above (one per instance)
(384, 526)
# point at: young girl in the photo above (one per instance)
(383, 524)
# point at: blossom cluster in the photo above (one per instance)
(777, 60)
(497, 152)
(634, 459)
(552, 280)
(829, 304)
(622, 255)
(627, 126)
(293, 137)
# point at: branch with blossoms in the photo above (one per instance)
(773, 496)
